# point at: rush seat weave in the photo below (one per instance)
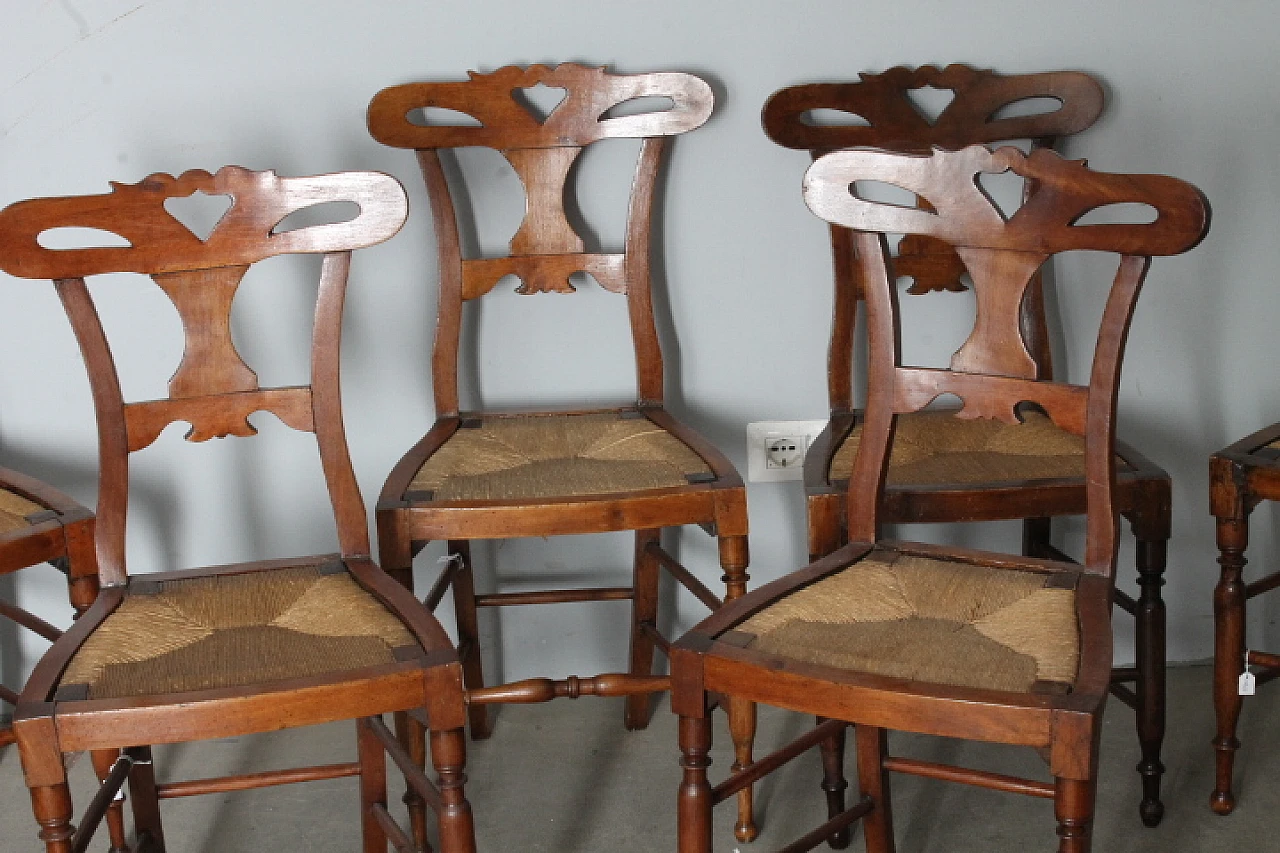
(525, 457)
(234, 630)
(14, 509)
(938, 448)
(933, 621)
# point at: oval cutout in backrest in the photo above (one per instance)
(441, 117)
(824, 117)
(1023, 107)
(199, 212)
(930, 101)
(323, 213)
(75, 237)
(639, 106)
(1119, 213)
(881, 192)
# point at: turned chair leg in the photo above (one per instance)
(644, 617)
(873, 779)
(413, 736)
(373, 787)
(1150, 688)
(52, 807)
(449, 756)
(1073, 805)
(1229, 650)
(146, 802)
(833, 782)
(742, 714)
(103, 761)
(464, 605)
(693, 807)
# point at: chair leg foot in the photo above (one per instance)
(693, 812)
(1228, 663)
(833, 782)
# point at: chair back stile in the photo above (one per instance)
(977, 114)
(546, 249)
(993, 372)
(213, 390)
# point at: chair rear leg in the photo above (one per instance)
(1150, 692)
(1228, 658)
(833, 782)
(413, 736)
(52, 808)
(373, 787)
(873, 780)
(103, 761)
(644, 616)
(742, 714)
(146, 803)
(464, 606)
(1073, 805)
(457, 828)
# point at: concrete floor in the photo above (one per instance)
(566, 777)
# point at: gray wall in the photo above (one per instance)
(118, 89)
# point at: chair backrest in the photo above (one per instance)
(980, 112)
(546, 249)
(993, 372)
(213, 390)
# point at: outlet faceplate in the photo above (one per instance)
(776, 449)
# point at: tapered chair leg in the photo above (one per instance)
(1073, 806)
(449, 756)
(1150, 688)
(1229, 651)
(644, 616)
(693, 808)
(103, 761)
(833, 782)
(742, 714)
(464, 606)
(873, 779)
(52, 807)
(373, 787)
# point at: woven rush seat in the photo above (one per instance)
(232, 631)
(937, 448)
(933, 621)
(522, 457)
(14, 509)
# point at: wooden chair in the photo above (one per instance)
(970, 471)
(485, 475)
(40, 524)
(931, 639)
(232, 650)
(1240, 477)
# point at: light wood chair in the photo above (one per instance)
(1240, 477)
(930, 639)
(970, 471)
(219, 652)
(489, 475)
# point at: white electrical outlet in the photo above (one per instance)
(776, 449)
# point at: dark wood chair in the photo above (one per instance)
(485, 475)
(220, 652)
(968, 471)
(1240, 477)
(40, 524)
(925, 638)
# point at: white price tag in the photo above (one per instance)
(1247, 683)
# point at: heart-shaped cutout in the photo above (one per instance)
(540, 101)
(1004, 190)
(930, 101)
(199, 212)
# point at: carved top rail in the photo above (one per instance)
(893, 121)
(505, 123)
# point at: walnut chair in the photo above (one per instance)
(219, 652)
(965, 470)
(1240, 477)
(40, 524)
(486, 475)
(925, 638)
